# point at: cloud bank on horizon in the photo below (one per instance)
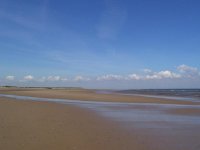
(183, 72)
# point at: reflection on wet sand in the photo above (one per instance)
(132, 112)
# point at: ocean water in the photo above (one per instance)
(178, 93)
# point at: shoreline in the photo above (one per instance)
(90, 95)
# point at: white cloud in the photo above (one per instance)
(163, 75)
(154, 76)
(109, 77)
(188, 71)
(52, 78)
(81, 78)
(28, 78)
(134, 77)
(184, 68)
(168, 74)
(10, 78)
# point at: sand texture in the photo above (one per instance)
(33, 125)
(40, 125)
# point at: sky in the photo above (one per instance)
(116, 44)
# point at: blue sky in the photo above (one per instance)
(100, 44)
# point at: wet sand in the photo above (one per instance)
(151, 124)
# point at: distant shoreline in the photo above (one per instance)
(90, 95)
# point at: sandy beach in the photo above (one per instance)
(41, 125)
(141, 126)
